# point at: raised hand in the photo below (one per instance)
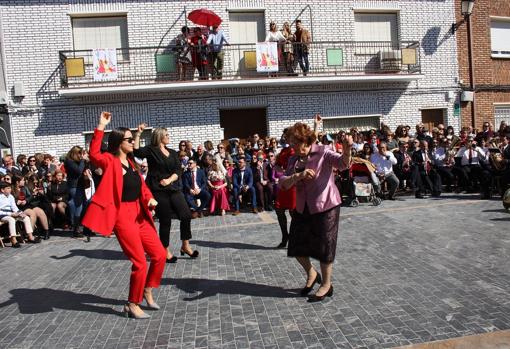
(142, 127)
(105, 118)
(347, 142)
(317, 118)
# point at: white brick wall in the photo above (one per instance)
(34, 31)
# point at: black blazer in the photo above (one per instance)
(160, 167)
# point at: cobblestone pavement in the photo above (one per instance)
(406, 272)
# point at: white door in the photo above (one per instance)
(246, 29)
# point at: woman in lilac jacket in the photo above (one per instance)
(314, 227)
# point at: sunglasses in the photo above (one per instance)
(31, 160)
(129, 139)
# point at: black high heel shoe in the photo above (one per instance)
(306, 290)
(193, 255)
(172, 260)
(314, 298)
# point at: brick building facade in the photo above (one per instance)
(50, 116)
(490, 65)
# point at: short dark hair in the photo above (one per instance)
(298, 21)
(185, 29)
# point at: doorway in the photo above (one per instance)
(246, 28)
(432, 117)
(243, 123)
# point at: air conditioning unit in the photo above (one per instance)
(391, 60)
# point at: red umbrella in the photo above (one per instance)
(204, 17)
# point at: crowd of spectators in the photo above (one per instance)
(43, 191)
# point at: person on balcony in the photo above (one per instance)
(273, 35)
(199, 53)
(182, 42)
(302, 38)
(215, 43)
(288, 57)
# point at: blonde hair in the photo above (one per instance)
(157, 136)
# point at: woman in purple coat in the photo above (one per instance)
(314, 227)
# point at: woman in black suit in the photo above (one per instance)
(165, 184)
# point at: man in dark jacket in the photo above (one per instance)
(194, 183)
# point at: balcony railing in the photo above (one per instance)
(149, 65)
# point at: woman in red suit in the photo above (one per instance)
(121, 204)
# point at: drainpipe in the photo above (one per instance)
(472, 82)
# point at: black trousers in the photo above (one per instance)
(172, 204)
(474, 174)
(282, 221)
(447, 176)
(431, 181)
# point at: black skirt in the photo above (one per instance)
(314, 235)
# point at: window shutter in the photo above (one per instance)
(500, 32)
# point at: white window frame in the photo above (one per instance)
(497, 121)
(123, 55)
(500, 53)
(395, 36)
(353, 117)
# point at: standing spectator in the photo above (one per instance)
(164, 182)
(182, 47)
(242, 179)
(209, 147)
(218, 184)
(75, 165)
(287, 48)
(199, 53)
(383, 161)
(487, 133)
(302, 38)
(263, 184)
(215, 41)
(189, 149)
(195, 188)
(144, 168)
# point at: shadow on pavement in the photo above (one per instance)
(502, 210)
(44, 300)
(233, 245)
(208, 288)
(110, 255)
(504, 219)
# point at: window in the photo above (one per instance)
(101, 32)
(501, 113)
(376, 27)
(345, 123)
(500, 32)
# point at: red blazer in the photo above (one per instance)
(102, 211)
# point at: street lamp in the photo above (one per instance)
(466, 7)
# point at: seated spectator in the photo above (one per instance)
(10, 213)
(194, 184)
(46, 166)
(429, 178)
(404, 167)
(443, 163)
(471, 159)
(383, 161)
(450, 135)
(199, 156)
(486, 133)
(144, 169)
(242, 179)
(9, 166)
(189, 149)
(401, 134)
(183, 158)
(209, 147)
(21, 162)
(29, 202)
(31, 167)
(183, 148)
(422, 133)
(391, 142)
(218, 184)
(58, 196)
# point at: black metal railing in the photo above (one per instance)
(148, 65)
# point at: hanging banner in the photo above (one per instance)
(105, 64)
(267, 57)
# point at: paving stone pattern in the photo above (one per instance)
(406, 272)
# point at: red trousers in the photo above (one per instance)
(136, 237)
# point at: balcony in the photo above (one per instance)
(156, 69)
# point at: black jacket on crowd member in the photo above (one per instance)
(58, 192)
(429, 177)
(43, 170)
(199, 159)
